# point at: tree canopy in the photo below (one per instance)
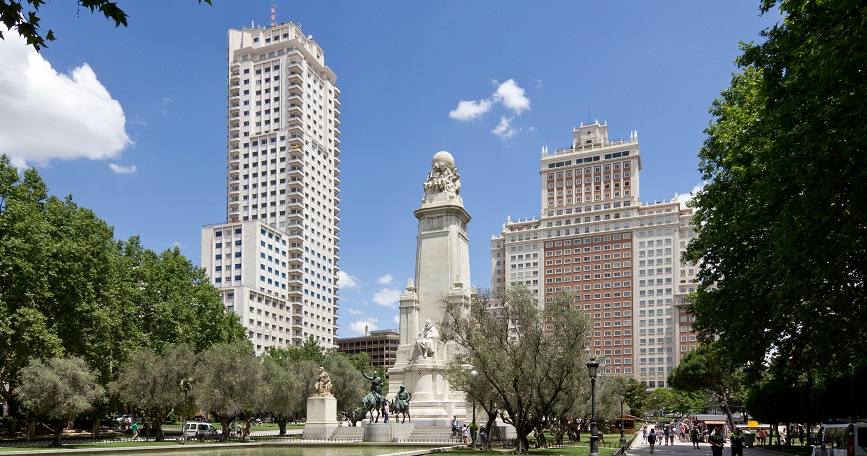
(57, 390)
(69, 288)
(781, 230)
(528, 356)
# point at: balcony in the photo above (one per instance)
(296, 142)
(295, 67)
(296, 172)
(295, 109)
(295, 89)
(295, 78)
(295, 130)
(295, 99)
(296, 161)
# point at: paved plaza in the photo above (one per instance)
(640, 448)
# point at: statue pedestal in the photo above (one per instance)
(434, 403)
(321, 417)
(386, 432)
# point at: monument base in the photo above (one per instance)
(434, 402)
(386, 432)
(321, 417)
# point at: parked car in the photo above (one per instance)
(199, 430)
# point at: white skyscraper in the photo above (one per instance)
(275, 260)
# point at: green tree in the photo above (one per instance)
(707, 369)
(280, 394)
(635, 392)
(152, 383)
(349, 386)
(67, 287)
(23, 16)
(527, 355)
(781, 232)
(58, 390)
(227, 382)
(481, 393)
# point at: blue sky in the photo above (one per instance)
(402, 66)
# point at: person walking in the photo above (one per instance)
(134, 429)
(737, 440)
(651, 439)
(666, 433)
(466, 435)
(694, 436)
(644, 434)
(455, 426)
(717, 441)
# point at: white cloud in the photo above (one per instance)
(121, 169)
(397, 319)
(504, 129)
(358, 326)
(47, 115)
(683, 199)
(511, 95)
(354, 311)
(385, 279)
(386, 297)
(347, 281)
(470, 109)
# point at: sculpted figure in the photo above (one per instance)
(443, 176)
(426, 343)
(323, 383)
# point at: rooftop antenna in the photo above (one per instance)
(273, 14)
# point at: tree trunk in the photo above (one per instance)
(247, 429)
(158, 430)
(94, 431)
(492, 417)
(725, 405)
(224, 423)
(281, 423)
(58, 432)
(522, 441)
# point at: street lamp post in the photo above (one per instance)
(185, 386)
(473, 430)
(622, 436)
(592, 367)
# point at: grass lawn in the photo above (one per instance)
(70, 446)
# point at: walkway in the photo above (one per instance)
(685, 449)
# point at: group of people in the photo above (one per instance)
(715, 438)
(465, 434)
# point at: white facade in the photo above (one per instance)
(626, 274)
(283, 173)
(656, 266)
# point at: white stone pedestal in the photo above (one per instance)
(321, 417)
(386, 432)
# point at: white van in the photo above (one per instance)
(199, 430)
(843, 440)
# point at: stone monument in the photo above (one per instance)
(321, 409)
(442, 274)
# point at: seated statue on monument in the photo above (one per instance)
(323, 383)
(426, 343)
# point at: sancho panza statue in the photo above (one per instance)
(426, 343)
(323, 383)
